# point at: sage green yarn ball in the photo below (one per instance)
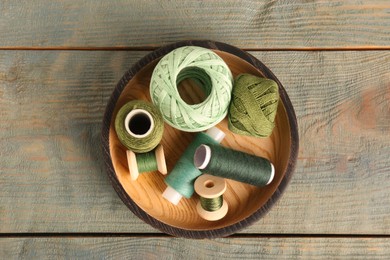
(253, 106)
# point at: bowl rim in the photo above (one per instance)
(138, 211)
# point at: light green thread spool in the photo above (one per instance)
(253, 107)
(139, 126)
(181, 179)
(230, 164)
(146, 162)
(211, 205)
(209, 71)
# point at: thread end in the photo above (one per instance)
(135, 120)
(160, 157)
(272, 174)
(202, 156)
(172, 195)
(216, 133)
(132, 164)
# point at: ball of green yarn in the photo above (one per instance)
(209, 71)
(253, 107)
(140, 144)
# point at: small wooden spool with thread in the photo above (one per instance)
(134, 167)
(210, 187)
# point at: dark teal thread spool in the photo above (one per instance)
(146, 162)
(181, 179)
(211, 205)
(231, 164)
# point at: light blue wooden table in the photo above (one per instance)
(60, 61)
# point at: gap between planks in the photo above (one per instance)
(163, 235)
(152, 48)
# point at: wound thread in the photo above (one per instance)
(146, 162)
(139, 126)
(209, 71)
(254, 105)
(181, 179)
(212, 204)
(231, 164)
(184, 173)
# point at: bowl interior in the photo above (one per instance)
(243, 199)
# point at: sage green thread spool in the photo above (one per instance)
(230, 164)
(211, 205)
(180, 181)
(146, 162)
(209, 71)
(253, 106)
(139, 126)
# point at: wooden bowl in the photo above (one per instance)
(246, 203)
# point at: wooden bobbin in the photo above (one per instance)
(208, 186)
(133, 166)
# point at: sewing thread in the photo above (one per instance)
(253, 106)
(181, 179)
(231, 164)
(209, 71)
(139, 126)
(146, 162)
(211, 205)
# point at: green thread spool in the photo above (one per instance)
(254, 105)
(146, 162)
(209, 71)
(230, 164)
(181, 179)
(139, 126)
(211, 205)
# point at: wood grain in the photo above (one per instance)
(250, 24)
(53, 179)
(174, 248)
(247, 203)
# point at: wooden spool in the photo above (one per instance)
(246, 202)
(209, 187)
(133, 167)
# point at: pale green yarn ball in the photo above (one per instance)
(209, 71)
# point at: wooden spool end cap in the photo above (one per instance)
(160, 158)
(132, 163)
(209, 186)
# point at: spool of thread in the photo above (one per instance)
(139, 126)
(211, 205)
(146, 162)
(209, 71)
(253, 107)
(231, 164)
(181, 179)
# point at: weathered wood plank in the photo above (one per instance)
(173, 248)
(249, 24)
(53, 180)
